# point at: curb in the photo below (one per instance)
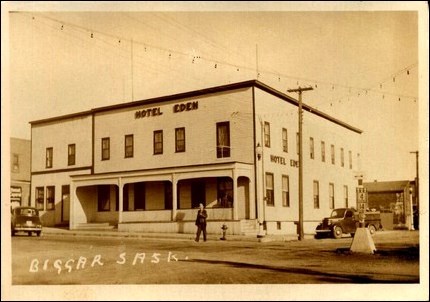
(164, 236)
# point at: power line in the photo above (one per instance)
(95, 34)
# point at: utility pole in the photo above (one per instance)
(416, 183)
(299, 91)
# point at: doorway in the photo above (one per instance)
(198, 193)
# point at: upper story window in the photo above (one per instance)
(15, 163)
(128, 146)
(323, 151)
(284, 140)
(180, 139)
(105, 148)
(49, 157)
(350, 159)
(332, 154)
(311, 148)
(223, 139)
(342, 158)
(158, 142)
(71, 154)
(267, 134)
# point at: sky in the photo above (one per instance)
(363, 65)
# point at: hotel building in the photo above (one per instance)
(146, 165)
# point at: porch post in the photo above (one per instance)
(235, 201)
(72, 222)
(121, 199)
(174, 196)
(252, 199)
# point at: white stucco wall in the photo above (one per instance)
(281, 114)
(200, 133)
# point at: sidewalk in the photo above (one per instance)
(56, 231)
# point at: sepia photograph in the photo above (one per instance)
(215, 151)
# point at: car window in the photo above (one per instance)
(27, 212)
(348, 214)
(337, 213)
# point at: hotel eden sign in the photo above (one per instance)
(157, 111)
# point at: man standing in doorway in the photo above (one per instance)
(201, 222)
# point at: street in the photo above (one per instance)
(105, 260)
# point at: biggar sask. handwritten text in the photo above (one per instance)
(81, 263)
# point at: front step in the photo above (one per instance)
(95, 226)
(249, 227)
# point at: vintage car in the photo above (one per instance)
(346, 221)
(25, 219)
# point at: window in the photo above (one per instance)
(270, 198)
(105, 148)
(316, 195)
(350, 159)
(284, 140)
(128, 146)
(342, 158)
(345, 195)
(278, 225)
(223, 139)
(331, 195)
(15, 163)
(40, 198)
(225, 192)
(71, 154)
(297, 143)
(323, 151)
(266, 134)
(285, 191)
(50, 198)
(332, 154)
(49, 157)
(180, 139)
(311, 147)
(103, 198)
(158, 142)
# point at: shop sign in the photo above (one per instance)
(15, 194)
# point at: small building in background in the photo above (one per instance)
(395, 200)
(20, 150)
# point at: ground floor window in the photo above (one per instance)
(270, 199)
(103, 192)
(331, 195)
(40, 198)
(50, 198)
(225, 192)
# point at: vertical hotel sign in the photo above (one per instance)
(361, 203)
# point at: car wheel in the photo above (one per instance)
(13, 233)
(372, 229)
(337, 232)
(29, 234)
(38, 234)
(318, 236)
(352, 235)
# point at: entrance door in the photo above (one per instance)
(198, 193)
(65, 203)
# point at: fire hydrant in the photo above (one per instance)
(224, 231)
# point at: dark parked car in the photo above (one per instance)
(26, 219)
(345, 221)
